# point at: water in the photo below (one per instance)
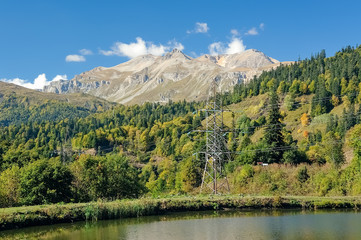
(252, 224)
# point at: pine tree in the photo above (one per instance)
(321, 101)
(273, 131)
(331, 124)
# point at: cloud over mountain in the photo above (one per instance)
(140, 47)
(236, 45)
(39, 83)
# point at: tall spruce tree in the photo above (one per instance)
(321, 101)
(273, 130)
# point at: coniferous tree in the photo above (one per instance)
(331, 124)
(321, 101)
(273, 130)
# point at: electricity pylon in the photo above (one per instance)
(216, 153)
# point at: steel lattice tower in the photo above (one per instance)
(216, 153)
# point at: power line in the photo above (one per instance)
(299, 104)
(286, 124)
(290, 147)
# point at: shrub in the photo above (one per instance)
(45, 181)
(9, 190)
(108, 176)
(246, 172)
(302, 174)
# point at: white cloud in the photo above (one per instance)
(38, 83)
(75, 58)
(234, 46)
(216, 48)
(253, 31)
(261, 26)
(140, 47)
(199, 28)
(59, 77)
(174, 44)
(16, 81)
(85, 52)
(235, 32)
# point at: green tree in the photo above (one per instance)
(321, 102)
(45, 181)
(108, 176)
(10, 186)
(189, 175)
(333, 149)
(273, 130)
(122, 179)
(290, 102)
(302, 174)
(355, 142)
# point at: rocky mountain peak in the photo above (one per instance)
(176, 53)
(176, 50)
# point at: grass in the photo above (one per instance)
(59, 213)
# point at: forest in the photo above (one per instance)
(304, 119)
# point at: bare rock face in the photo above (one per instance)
(174, 76)
(73, 86)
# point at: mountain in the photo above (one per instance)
(21, 105)
(174, 76)
(250, 59)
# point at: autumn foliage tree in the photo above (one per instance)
(305, 119)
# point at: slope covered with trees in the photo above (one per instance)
(303, 118)
(21, 105)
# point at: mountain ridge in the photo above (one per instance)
(173, 76)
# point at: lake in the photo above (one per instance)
(242, 224)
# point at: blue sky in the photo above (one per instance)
(36, 37)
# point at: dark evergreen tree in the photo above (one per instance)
(348, 119)
(321, 102)
(335, 87)
(331, 124)
(273, 130)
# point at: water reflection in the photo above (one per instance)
(245, 224)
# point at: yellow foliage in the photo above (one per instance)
(305, 119)
(304, 88)
(346, 101)
(335, 101)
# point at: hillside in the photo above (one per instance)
(20, 105)
(174, 76)
(303, 119)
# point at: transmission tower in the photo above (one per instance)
(216, 153)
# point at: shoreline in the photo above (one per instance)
(19, 217)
